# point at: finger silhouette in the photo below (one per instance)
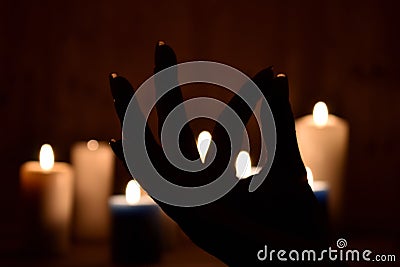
(122, 92)
(165, 58)
(277, 95)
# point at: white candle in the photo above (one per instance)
(93, 164)
(323, 143)
(47, 192)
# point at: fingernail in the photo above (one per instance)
(113, 75)
(160, 43)
(281, 75)
(112, 143)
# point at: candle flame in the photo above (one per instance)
(92, 145)
(310, 177)
(203, 143)
(132, 192)
(46, 157)
(243, 166)
(320, 114)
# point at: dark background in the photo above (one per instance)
(55, 57)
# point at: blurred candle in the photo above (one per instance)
(136, 228)
(203, 143)
(47, 194)
(243, 166)
(93, 164)
(323, 142)
(320, 188)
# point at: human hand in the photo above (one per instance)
(282, 213)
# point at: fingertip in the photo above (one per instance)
(271, 69)
(112, 141)
(121, 88)
(122, 93)
(164, 56)
(264, 75)
(116, 146)
(113, 75)
(282, 85)
(269, 72)
(112, 144)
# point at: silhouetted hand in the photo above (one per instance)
(282, 213)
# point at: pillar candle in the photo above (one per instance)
(93, 164)
(323, 143)
(320, 189)
(47, 194)
(136, 227)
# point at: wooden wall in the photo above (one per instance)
(55, 57)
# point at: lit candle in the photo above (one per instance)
(203, 143)
(93, 164)
(243, 166)
(47, 192)
(320, 188)
(136, 229)
(243, 161)
(323, 142)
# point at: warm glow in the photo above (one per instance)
(310, 177)
(132, 192)
(320, 114)
(203, 143)
(92, 145)
(243, 166)
(46, 157)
